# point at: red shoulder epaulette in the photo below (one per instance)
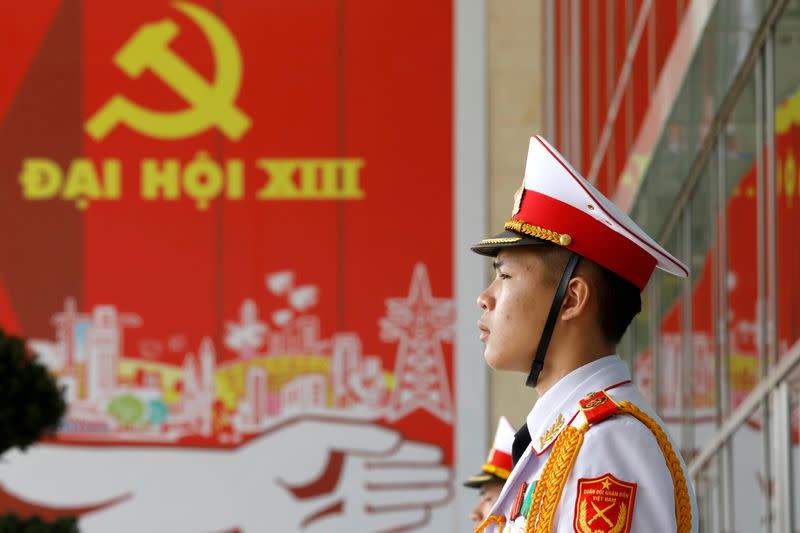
(598, 406)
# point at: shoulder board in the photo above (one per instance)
(598, 406)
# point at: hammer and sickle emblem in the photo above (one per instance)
(210, 104)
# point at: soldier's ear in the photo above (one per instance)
(576, 300)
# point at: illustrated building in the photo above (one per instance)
(199, 389)
(254, 407)
(104, 349)
(368, 384)
(89, 347)
(307, 334)
(346, 353)
(66, 323)
(303, 393)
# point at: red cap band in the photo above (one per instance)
(500, 460)
(590, 237)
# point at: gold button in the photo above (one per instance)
(564, 240)
(591, 207)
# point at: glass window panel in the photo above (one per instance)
(703, 280)
(742, 276)
(735, 25)
(718, 57)
(708, 489)
(794, 394)
(751, 484)
(787, 216)
(750, 479)
(670, 345)
(723, 47)
(641, 352)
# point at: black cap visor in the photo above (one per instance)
(479, 480)
(505, 239)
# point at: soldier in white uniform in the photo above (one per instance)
(593, 457)
(494, 472)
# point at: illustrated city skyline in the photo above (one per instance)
(283, 369)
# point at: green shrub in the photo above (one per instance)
(31, 403)
(13, 524)
(31, 407)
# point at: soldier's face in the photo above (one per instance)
(515, 307)
(490, 491)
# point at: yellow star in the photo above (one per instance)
(606, 484)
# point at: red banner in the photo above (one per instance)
(229, 227)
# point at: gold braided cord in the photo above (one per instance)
(499, 240)
(683, 505)
(535, 231)
(538, 493)
(551, 484)
(498, 519)
(555, 485)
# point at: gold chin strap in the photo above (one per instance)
(565, 450)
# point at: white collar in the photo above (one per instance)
(557, 407)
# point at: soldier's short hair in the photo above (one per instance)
(619, 300)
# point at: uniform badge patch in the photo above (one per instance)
(604, 505)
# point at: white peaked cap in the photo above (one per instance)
(556, 204)
(504, 436)
(498, 463)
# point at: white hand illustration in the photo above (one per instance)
(390, 493)
(314, 475)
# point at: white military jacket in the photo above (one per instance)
(619, 482)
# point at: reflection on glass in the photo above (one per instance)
(742, 277)
(787, 158)
(708, 490)
(642, 359)
(741, 283)
(670, 346)
(703, 350)
(725, 43)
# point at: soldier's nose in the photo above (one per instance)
(483, 301)
(475, 515)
